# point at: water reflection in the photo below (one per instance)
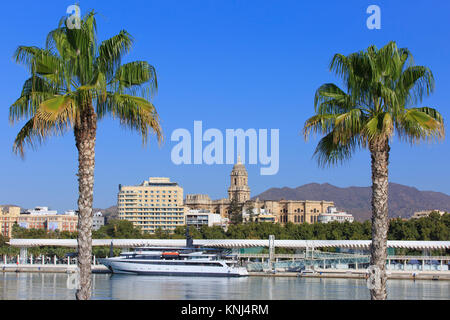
(52, 286)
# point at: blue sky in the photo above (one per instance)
(231, 64)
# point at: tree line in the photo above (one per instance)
(432, 228)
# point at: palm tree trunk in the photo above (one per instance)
(85, 133)
(380, 222)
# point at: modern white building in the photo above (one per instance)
(426, 213)
(98, 220)
(333, 214)
(201, 217)
(71, 213)
(258, 215)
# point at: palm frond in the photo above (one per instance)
(329, 98)
(330, 153)
(135, 113)
(414, 83)
(320, 123)
(35, 91)
(380, 85)
(30, 135)
(420, 124)
(62, 108)
(138, 78)
(112, 50)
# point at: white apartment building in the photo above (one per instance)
(333, 215)
(201, 217)
(426, 213)
(98, 220)
(41, 211)
(258, 215)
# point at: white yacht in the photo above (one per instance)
(185, 261)
(174, 262)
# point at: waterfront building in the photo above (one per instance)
(257, 215)
(283, 211)
(156, 203)
(333, 214)
(426, 213)
(50, 220)
(201, 217)
(41, 211)
(8, 217)
(98, 220)
(37, 218)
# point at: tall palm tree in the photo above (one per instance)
(74, 83)
(382, 86)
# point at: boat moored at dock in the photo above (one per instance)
(175, 262)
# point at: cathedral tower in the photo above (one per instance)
(239, 183)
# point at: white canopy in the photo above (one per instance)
(230, 243)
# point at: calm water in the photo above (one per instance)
(123, 287)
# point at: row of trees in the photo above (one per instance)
(434, 227)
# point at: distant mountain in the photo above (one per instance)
(403, 200)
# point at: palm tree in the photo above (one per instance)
(74, 83)
(381, 85)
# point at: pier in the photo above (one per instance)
(350, 263)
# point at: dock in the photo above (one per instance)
(49, 268)
(344, 274)
(361, 274)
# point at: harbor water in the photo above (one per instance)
(53, 286)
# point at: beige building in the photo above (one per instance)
(37, 218)
(239, 183)
(156, 203)
(8, 217)
(284, 211)
(50, 222)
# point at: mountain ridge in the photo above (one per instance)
(403, 200)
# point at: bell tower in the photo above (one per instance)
(239, 183)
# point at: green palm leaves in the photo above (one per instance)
(74, 72)
(75, 82)
(381, 85)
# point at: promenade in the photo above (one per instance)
(48, 268)
(318, 273)
(308, 256)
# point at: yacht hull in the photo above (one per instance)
(126, 267)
